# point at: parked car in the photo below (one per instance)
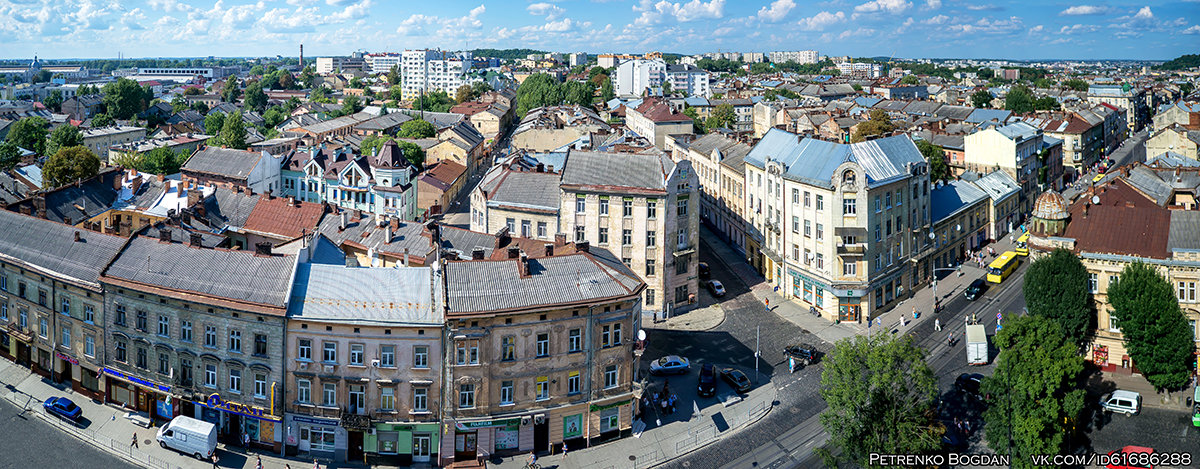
(1123, 402)
(716, 288)
(804, 354)
(703, 271)
(736, 379)
(975, 289)
(1131, 450)
(708, 380)
(670, 364)
(63, 407)
(968, 383)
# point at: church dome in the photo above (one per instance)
(1050, 206)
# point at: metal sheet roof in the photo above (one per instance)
(950, 198)
(814, 161)
(52, 246)
(364, 295)
(633, 170)
(483, 286)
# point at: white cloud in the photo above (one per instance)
(983, 7)
(933, 4)
(168, 5)
(1078, 29)
(415, 25)
(550, 11)
(1079, 10)
(890, 6)
(939, 19)
(860, 32)
(355, 11)
(657, 13)
(300, 20)
(1036, 29)
(1195, 29)
(777, 10)
(987, 26)
(821, 20)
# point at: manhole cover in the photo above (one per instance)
(632, 457)
(687, 464)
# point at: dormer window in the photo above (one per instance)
(848, 177)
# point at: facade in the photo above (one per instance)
(837, 226)
(327, 65)
(534, 362)
(1013, 148)
(862, 69)
(382, 184)
(1130, 99)
(655, 119)
(1175, 139)
(525, 202)
(960, 223)
(189, 72)
(380, 62)
(637, 77)
(257, 172)
(1003, 207)
(426, 71)
(98, 140)
(199, 332)
(717, 161)
(576, 59)
(798, 56)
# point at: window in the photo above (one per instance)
(526, 229)
(466, 396)
(649, 296)
(651, 238)
(820, 261)
(1093, 280)
(260, 345)
(141, 359)
(610, 376)
(603, 238)
(420, 399)
(185, 331)
(4, 311)
(387, 398)
(579, 233)
(4, 282)
(304, 391)
(627, 208)
(543, 345)
(43, 327)
(651, 209)
(899, 197)
(849, 269)
(849, 206)
(41, 297)
(120, 319)
(542, 388)
(807, 199)
(807, 228)
(681, 207)
(356, 354)
(603, 205)
(820, 202)
(573, 383)
(508, 348)
(878, 205)
(420, 356)
(580, 204)
(141, 320)
(210, 336)
(887, 200)
(66, 305)
(235, 341)
(807, 256)
(260, 385)
(796, 196)
(387, 356)
(541, 229)
(66, 336)
(89, 346)
(878, 233)
(650, 272)
(210, 376)
(235, 381)
(820, 232)
(329, 394)
(21, 289)
(1187, 292)
(506, 392)
(329, 353)
(575, 340)
(163, 326)
(1112, 322)
(682, 238)
(511, 223)
(304, 351)
(24, 319)
(121, 351)
(626, 237)
(795, 224)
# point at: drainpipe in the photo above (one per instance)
(589, 365)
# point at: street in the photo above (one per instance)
(1133, 151)
(28, 442)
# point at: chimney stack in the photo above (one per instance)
(342, 226)
(560, 239)
(477, 254)
(549, 250)
(262, 249)
(291, 201)
(67, 220)
(390, 233)
(405, 257)
(582, 246)
(164, 235)
(514, 252)
(186, 216)
(195, 240)
(523, 265)
(78, 237)
(541, 167)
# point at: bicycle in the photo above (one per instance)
(532, 465)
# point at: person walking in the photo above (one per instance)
(316, 465)
(134, 443)
(215, 460)
(937, 324)
(258, 465)
(245, 440)
(564, 451)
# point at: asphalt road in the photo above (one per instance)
(1133, 151)
(28, 442)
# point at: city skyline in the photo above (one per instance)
(87, 29)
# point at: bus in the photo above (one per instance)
(1002, 267)
(1022, 247)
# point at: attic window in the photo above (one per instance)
(848, 177)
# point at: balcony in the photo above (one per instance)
(856, 249)
(356, 421)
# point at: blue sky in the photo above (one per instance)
(905, 28)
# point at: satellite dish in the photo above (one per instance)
(641, 334)
(1096, 199)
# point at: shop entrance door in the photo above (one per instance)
(354, 450)
(464, 446)
(421, 447)
(65, 376)
(541, 436)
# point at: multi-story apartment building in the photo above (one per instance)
(959, 210)
(327, 65)
(51, 301)
(655, 119)
(364, 360)
(1083, 140)
(717, 160)
(576, 59)
(1014, 148)
(861, 69)
(1003, 203)
(99, 139)
(1130, 99)
(426, 71)
(638, 76)
(383, 184)
(798, 56)
(834, 226)
(1175, 139)
(254, 171)
(526, 202)
(199, 332)
(533, 361)
(381, 62)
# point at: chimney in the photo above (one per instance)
(560, 239)
(514, 252)
(200, 210)
(195, 240)
(549, 250)
(78, 237)
(135, 185)
(477, 254)
(39, 205)
(406, 256)
(390, 233)
(262, 249)
(164, 235)
(27, 210)
(162, 178)
(503, 237)
(291, 201)
(523, 266)
(67, 221)
(541, 167)
(582, 246)
(270, 195)
(342, 226)
(186, 216)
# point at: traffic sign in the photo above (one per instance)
(999, 315)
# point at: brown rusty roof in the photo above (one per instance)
(1125, 222)
(288, 218)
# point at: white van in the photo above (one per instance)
(1123, 402)
(189, 436)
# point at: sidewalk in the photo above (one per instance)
(1105, 382)
(107, 428)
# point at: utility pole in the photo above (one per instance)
(756, 352)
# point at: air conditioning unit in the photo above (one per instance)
(525, 420)
(375, 363)
(371, 431)
(303, 365)
(539, 419)
(328, 368)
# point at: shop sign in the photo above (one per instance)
(135, 380)
(487, 424)
(215, 402)
(64, 357)
(598, 408)
(164, 408)
(572, 426)
(314, 421)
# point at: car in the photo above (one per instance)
(703, 270)
(708, 381)
(670, 364)
(1098, 178)
(736, 379)
(968, 383)
(716, 288)
(1130, 450)
(952, 439)
(804, 354)
(975, 289)
(1122, 402)
(63, 407)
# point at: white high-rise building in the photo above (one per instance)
(381, 62)
(425, 71)
(578, 58)
(635, 76)
(798, 56)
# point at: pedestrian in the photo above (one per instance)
(258, 465)
(937, 324)
(134, 443)
(215, 459)
(1010, 237)
(245, 440)
(914, 312)
(564, 451)
(316, 465)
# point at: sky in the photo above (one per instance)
(1020, 29)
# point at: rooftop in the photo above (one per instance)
(483, 287)
(229, 162)
(814, 161)
(365, 295)
(617, 170)
(50, 247)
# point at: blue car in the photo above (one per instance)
(670, 364)
(63, 407)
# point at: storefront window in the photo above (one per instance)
(610, 420)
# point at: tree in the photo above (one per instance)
(721, 116)
(1076, 84)
(1056, 288)
(10, 156)
(102, 120)
(162, 160)
(437, 101)
(869, 380)
(371, 144)
(1156, 332)
(857, 87)
(578, 92)
(256, 70)
(123, 99)
(233, 132)
(878, 124)
(287, 81)
(606, 91)
(413, 153)
(909, 80)
(29, 133)
(193, 91)
(396, 93)
(666, 88)
(697, 123)
(1019, 100)
(351, 105)
(54, 100)
(479, 88)
(213, 123)
(63, 136)
(417, 128)
(274, 116)
(981, 99)
(230, 91)
(306, 77)
(537, 91)
(69, 165)
(256, 99)
(463, 94)
(1185, 89)
(1035, 393)
(393, 76)
(939, 169)
(1045, 103)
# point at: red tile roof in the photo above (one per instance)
(275, 216)
(1125, 222)
(446, 171)
(658, 110)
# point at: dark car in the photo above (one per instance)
(968, 383)
(703, 270)
(975, 289)
(708, 380)
(736, 379)
(63, 407)
(670, 364)
(804, 354)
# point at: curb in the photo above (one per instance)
(726, 434)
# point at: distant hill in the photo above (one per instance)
(506, 54)
(1181, 62)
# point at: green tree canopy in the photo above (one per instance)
(479, 88)
(10, 156)
(697, 123)
(287, 81)
(868, 380)
(102, 120)
(909, 80)
(538, 90)
(1076, 84)
(878, 124)
(463, 94)
(230, 91)
(1019, 100)
(1035, 393)
(256, 70)
(123, 99)
(606, 91)
(393, 76)
(413, 153)
(1045, 103)
(54, 100)
(396, 93)
(162, 160)
(1056, 287)
(29, 133)
(939, 168)
(721, 116)
(981, 99)
(417, 128)
(274, 116)
(63, 136)
(371, 144)
(256, 99)
(69, 165)
(437, 101)
(578, 92)
(1156, 332)
(213, 123)
(233, 132)
(350, 105)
